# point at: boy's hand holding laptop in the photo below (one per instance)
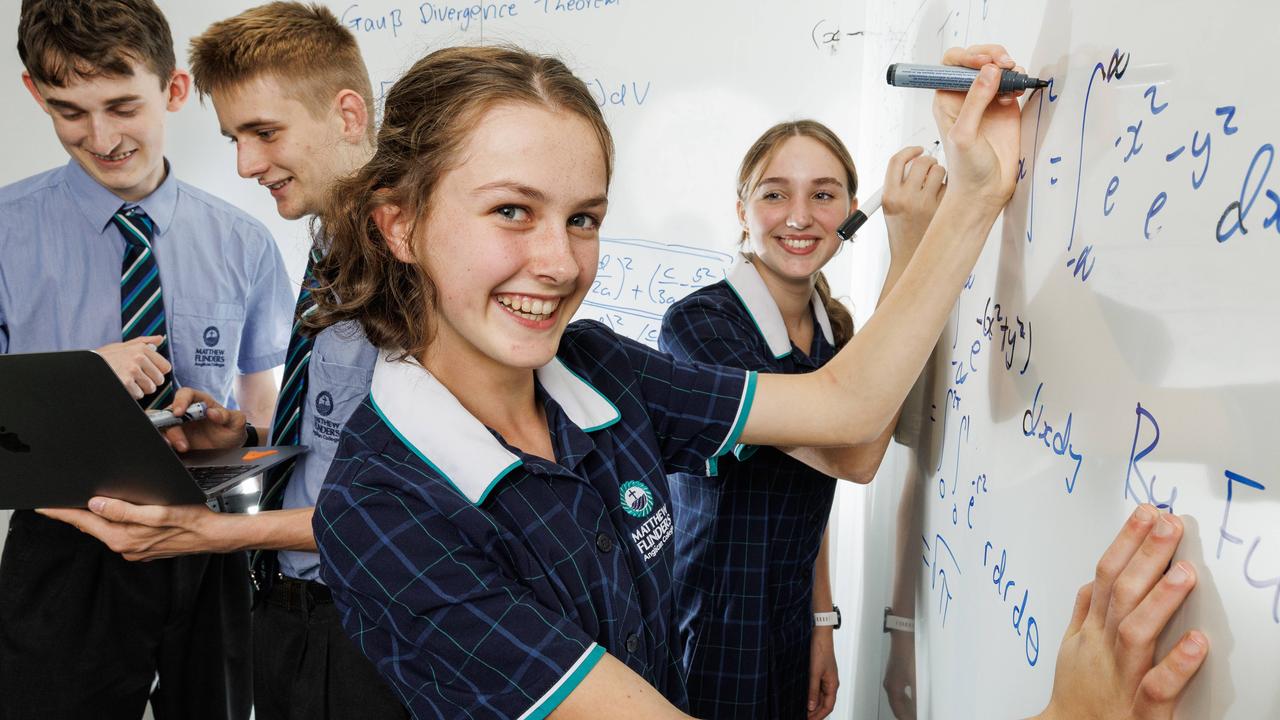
(150, 532)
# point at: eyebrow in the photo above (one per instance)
(785, 181)
(65, 105)
(249, 126)
(519, 188)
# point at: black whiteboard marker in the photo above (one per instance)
(951, 77)
(867, 209)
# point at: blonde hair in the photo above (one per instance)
(426, 123)
(754, 163)
(306, 47)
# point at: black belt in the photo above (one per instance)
(294, 594)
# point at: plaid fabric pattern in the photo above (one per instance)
(747, 539)
(141, 295)
(498, 610)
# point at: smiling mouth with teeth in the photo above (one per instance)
(529, 308)
(113, 158)
(278, 185)
(798, 244)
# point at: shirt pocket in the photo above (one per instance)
(204, 344)
(334, 391)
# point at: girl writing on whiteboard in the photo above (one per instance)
(496, 526)
(755, 613)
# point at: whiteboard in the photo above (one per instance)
(1116, 344)
(686, 87)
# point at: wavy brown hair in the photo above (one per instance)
(426, 122)
(754, 163)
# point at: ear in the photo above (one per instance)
(396, 227)
(30, 84)
(853, 205)
(742, 215)
(355, 116)
(179, 90)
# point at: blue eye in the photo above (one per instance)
(514, 213)
(585, 221)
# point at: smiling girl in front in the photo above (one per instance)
(496, 526)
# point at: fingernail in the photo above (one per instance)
(1005, 59)
(1194, 644)
(97, 504)
(1178, 575)
(812, 706)
(1142, 514)
(1164, 528)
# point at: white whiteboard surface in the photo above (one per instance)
(685, 86)
(1130, 286)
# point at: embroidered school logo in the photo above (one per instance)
(210, 356)
(324, 403)
(637, 499)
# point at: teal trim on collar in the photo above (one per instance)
(591, 413)
(414, 449)
(430, 421)
(567, 684)
(745, 282)
(754, 321)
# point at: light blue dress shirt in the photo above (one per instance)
(228, 302)
(338, 379)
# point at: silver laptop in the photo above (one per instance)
(69, 431)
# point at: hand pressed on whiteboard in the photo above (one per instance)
(1106, 667)
(981, 129)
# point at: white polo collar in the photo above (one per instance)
(439, 430)
(745, 281)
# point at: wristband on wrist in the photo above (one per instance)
(828, 619)
(250, 435)
(897, 624)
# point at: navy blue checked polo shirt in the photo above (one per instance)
(486, 583)
(747, 539)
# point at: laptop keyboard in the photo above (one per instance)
(211, 476)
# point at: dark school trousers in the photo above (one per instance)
(84, 632)
(306, 668)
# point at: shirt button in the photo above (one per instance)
(604, 543)
(633, 642)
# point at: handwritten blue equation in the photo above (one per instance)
(456, 15)
(1185, 165)
(637, 280)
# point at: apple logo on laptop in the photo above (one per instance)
(10, 441)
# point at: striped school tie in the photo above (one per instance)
(286, 425)
(141, 299)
